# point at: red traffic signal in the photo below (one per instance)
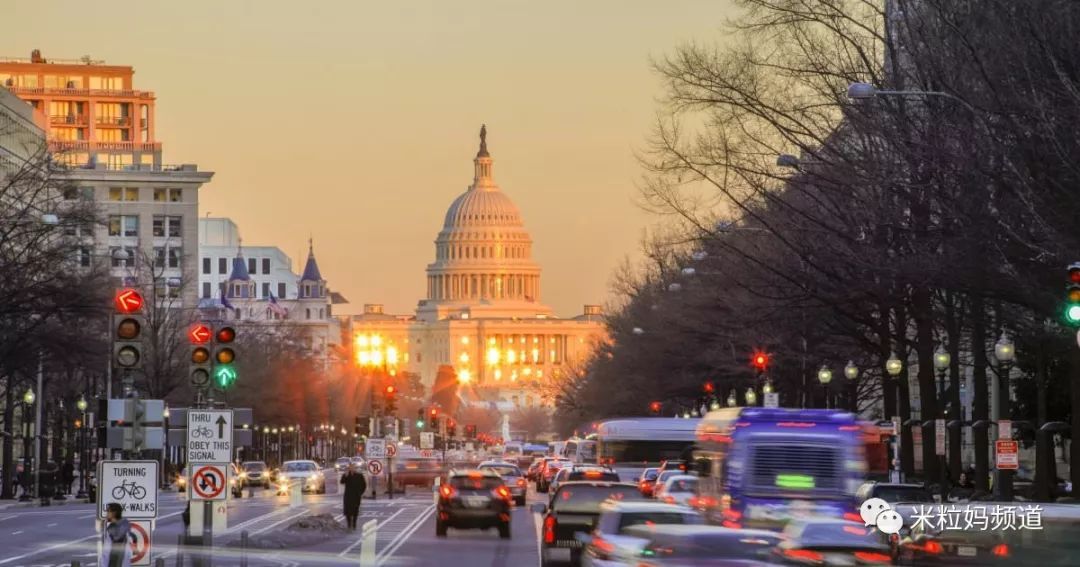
(128, 300)
(434, 412)
(1074, 272)
(199, 334)
(709, 388)
(226, 335)
(655, 407)
(390, 390)
(760, 361)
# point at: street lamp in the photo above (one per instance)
(751, 397)
(851, 371)
(699, 255)
(767, 388)
(165, 453)
(864, 91)
(81, 405)
(28, 400)
(941, 364)
(1005, 353)
(893, 366)
(731, 400)
(688, 271)
(824, 375)
(638, 331)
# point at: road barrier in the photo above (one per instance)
(367, 547)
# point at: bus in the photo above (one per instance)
(580, 451)
(760, 467)
(644, 441)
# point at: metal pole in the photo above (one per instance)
(944, 477)
(37, 425)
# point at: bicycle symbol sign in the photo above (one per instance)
(131, 484)
(208, 482)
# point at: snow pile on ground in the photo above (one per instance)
(308, 530)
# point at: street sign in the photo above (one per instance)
(375, 467)
(470, 446)
(427, 454)
(427, 440)
(391, 449)
(1005, 429)
(141, 542)
(208, 482)
(897, 423)
(210, 436)
(131, 484)
(1007, 454)
(939, 437)
(375, 449)
(220, 522)
(772, 400)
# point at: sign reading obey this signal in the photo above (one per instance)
(210, 436)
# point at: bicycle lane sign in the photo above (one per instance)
(210, 436)
(131, 484)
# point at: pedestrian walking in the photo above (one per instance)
(67, 476)
(355, 485)
(116, 538)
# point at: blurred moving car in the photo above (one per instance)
(416, 471)
(303, 474)
(573, 509)
(829, 541)
(608, 545)
(661, 481)
(679, 489)
(547, 474)
(893, 492)
(584, 472)
(686, 545)
(254, 473)
(473, 499)
(358, 462)
(511, 476)
(674, 465)
(647, 481)
(534, 468)
(341, 464)
(236, 481)
(182, 479)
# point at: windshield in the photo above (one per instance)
(650, 474)
(503, 470)
(254, 467)
(652, 518)
(475, 483)
(594, 475)
(299, 467)
(587, 499)
(683, 485)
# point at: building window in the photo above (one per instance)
(206, 267)
(175, 195)
(159, 256)
(123, 225)
(266, 290)
(266, 265)
(167, 226)
(281, 290)
(222, 265)
(206, 288)
(84, 256)
(175, 257)
(252, 264)
(322, 313)
(123, 193)
(307, 313)
(174, 227)
(159, 195)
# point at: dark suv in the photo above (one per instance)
(473, 499)
(574, 508)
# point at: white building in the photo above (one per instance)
(482, 316)
(269, 267)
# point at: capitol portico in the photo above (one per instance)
(482, 316)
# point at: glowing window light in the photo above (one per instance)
(464, 358)
(392, 355)
(498, 374)
(362, 341)
(363, 357)
(376, 357)
(464, 340)
(511, 356)
(493, 355)
(464, 376)
(376, 340)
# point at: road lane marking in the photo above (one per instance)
(282, 521)
(67, 543)
(361, 538)
(19, 532)
(402, 537)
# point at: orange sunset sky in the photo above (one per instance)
(356, 121)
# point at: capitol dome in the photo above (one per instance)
(483, 254)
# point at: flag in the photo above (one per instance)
(276, 307)
(225, 302)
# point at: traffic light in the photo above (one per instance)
(224, 356)
(470, 431)
(451, 427)
(760, 361)
(655, 407)
(390, 399)
(136, 434)
(433, 418)
(199, 366)
(128, 323)
(362, 426)
(420, 418)
(1072, 295)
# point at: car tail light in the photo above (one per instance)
(852, 517)
(602, 548)
(669, 499)
(1000, 550)
(549, 529)
(502, 492)
(521, 482)
(803, 555)
(447, 491)
(873, 557)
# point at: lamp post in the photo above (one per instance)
(851, 372)
(28, 401)
(751, 397)
(941, 364)
(731, 400)
(1005, 353)
(824, 375)
(81, 405)
(893, 367)
(165, 476)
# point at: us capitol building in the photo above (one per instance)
(482, 320)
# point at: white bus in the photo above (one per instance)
(644, 441)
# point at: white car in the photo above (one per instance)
(303, 474)
(679, 489)
(610, 546)
(661, 481)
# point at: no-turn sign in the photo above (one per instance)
(391, 449)
(375, 467)
(208, 482)
(140, 542)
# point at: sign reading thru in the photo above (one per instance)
(210, 436)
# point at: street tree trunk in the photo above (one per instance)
(980, 410)
(7, 491)
(924, 350)
(907, 440)
(953, 314)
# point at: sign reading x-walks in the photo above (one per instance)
(210, 436)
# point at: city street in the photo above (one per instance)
(36, 536)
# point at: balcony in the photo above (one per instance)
(68, 119)
(89, 145)
(81, 93)
(123, 121)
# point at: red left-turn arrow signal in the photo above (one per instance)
(199, 334)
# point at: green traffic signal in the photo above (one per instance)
(419, 424)
(1072, 313)
(224, 376)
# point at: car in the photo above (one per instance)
(583, 472)
(893, 492)
(358, 462)
(236, 481)
(689, 545)
(513, 478)
(548, 473)
(661, 479)
(254, 473)
(473, 499)
(608, 545)
(647, 481)
(304, 474)
(416, 471)
(674, 464)
(534, 468)
(829, 541)
(341, 464)
(680, 489)
(573, 509)
(182, 479)
(924, 543)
